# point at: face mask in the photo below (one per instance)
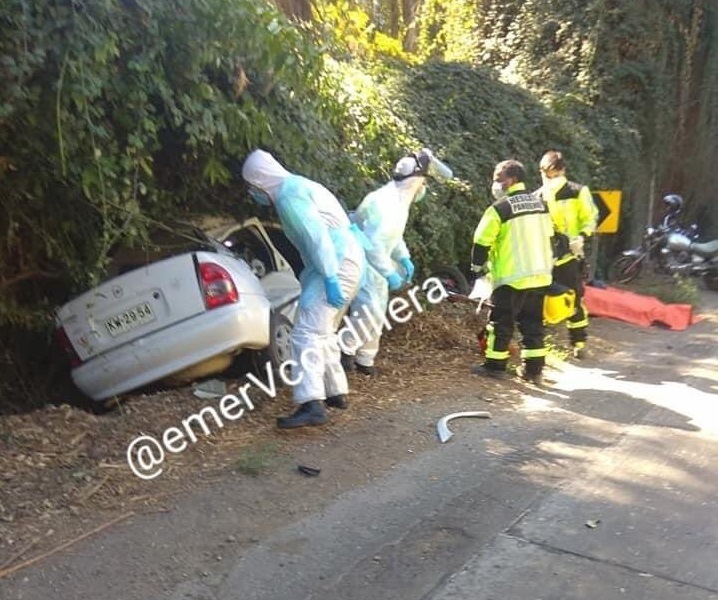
(421, 195)
(260, 197)
(497, 191)
(550, 182)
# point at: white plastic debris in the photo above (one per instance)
(442, 426)
(209, 389)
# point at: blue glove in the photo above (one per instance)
(335, 297)
(395, 281)
(408, 268)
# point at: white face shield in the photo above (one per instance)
(423, 163)
(436, 169)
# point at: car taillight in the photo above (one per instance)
(218, 287)
(64, 342)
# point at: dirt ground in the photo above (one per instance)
(63, 471)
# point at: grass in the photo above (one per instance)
(259, 460)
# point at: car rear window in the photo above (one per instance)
(162, 241)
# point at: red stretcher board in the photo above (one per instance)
(630, 307)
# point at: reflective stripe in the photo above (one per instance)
(497, 355)
(563, 260)
(577, 325)
(490, 341)
(533, 352)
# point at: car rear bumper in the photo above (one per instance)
(223, 330)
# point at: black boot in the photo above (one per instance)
(486, 371)
(309, 413)
(532, 376)
(368, 371)
(339, 401)
(347, 362)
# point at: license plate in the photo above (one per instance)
(134, 317)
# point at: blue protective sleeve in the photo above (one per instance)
(400, 251)
(306, 229)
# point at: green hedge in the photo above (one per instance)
(113, 114)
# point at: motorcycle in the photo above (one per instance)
(684, 256)
(652, 251)
(671, 250)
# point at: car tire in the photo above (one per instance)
(280, 340)
(452, 279)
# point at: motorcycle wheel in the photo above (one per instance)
(452, 279)
(711, 282)
(625, 269)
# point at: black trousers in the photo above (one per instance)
(512, 308)
(570, 274)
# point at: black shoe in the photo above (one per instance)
(535, 378)
(309, 413)
(347, 362)
(485, 372)
(339, 401)
(364, 370)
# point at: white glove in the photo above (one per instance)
(576, 246)
(483, 287)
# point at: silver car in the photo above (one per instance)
(179, 307)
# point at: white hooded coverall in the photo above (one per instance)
(317, 225)
(382, 216)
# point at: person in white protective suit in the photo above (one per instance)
(382, 216)
(330, 247)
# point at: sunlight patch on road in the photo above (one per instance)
(535, 404)
(698, 406)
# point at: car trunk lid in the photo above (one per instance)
(132, 305)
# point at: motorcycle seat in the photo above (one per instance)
(706, 250)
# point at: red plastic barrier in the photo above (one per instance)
(638, 309)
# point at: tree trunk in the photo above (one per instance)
(394, 12)
(299, 10)
(410, 10)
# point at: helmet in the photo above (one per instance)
(674, 202)
(559, 303)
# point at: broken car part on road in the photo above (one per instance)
(442, 426)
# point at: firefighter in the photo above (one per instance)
(574, 216)
(512, 247)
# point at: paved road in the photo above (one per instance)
(602, 487)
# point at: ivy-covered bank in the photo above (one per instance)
(115, 113)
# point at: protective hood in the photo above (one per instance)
(262, 170)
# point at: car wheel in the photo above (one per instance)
(452, 279)
(280, 339)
